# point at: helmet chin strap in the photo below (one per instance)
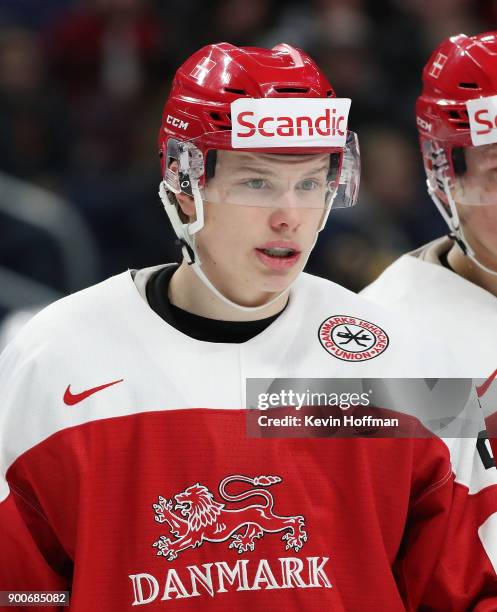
(186, 234)
(456, 230)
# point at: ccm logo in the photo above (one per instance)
(174, 121)
(329, 124)
(424, 125)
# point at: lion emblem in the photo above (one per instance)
(203, 519)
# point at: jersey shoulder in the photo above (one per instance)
(401, 277)
(70, 319)
(417, 279)
(326, 294)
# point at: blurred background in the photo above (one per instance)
(82, 84)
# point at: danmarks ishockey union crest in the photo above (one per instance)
(351, 339)
(203, 519)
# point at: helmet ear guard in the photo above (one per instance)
(210, 167)
(189, 166)
(438, 181)
(185, 183)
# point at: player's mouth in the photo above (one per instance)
(278, 255)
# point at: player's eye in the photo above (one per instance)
(256, 183)
(308, 184)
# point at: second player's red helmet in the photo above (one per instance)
(462, 69)
(456, 117)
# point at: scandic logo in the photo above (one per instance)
(481, 118)
(289, 122)
(326, 125)
(482, 114)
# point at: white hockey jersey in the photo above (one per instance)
(127, 477)
(445, 306)
(451, 310)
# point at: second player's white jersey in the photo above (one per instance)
(447, 307)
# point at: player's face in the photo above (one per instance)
(478, 214)
(261, 217)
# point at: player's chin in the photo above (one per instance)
(280, 281)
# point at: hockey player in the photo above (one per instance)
(450, 285)
(127, 476)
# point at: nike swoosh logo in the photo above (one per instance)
(74, 398)
(484, 387)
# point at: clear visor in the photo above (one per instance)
(470, 174)
(320, 179)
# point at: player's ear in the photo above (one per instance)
(185, 202)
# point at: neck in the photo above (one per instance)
(188, 292)
(471, 272)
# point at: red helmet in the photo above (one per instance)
(263, 85)
(462, 68)
(459, 84)
(212, 78)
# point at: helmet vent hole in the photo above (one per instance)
(291, 89)
(459, 119)
(221, 121)
(240, 92)
(469, 85)
(329, 93)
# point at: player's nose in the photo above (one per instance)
(285, 217)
